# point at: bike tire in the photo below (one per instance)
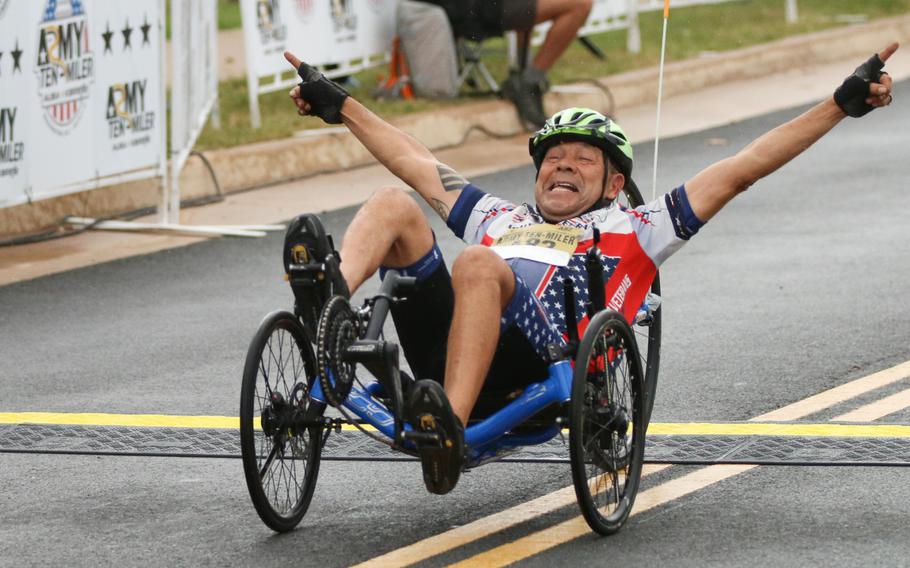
(648, 336)
(606, 422)
(280, 464)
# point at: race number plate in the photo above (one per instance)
(550, 244)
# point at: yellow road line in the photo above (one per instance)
(657, 428)
(878, 409)
(482, 528)
(99, 419)
(551, 537)
(837, 395)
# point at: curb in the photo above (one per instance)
(256, 165)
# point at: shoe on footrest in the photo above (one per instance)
(312, 267)
(429, 412)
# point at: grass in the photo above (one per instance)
(229, 14)
(692, 31)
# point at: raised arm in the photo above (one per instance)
(399, 152)
(712, 188)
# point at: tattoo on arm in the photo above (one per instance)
(441, 209)
(451, 180)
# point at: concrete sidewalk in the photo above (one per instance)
(698, 95)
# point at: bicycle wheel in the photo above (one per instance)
(606, 422)
(280, 457)
(647, 333)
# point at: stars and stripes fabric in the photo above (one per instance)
(633, 243)
(526, 312)
(575, 274)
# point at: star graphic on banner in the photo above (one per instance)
(127, 31)
(17, 56)
(146, 28)
(107, 35)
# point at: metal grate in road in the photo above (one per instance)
(351, 445)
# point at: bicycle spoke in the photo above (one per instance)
(268, 462)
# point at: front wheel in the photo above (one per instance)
(606, 423)
(280, 439)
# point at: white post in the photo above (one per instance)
(633, 37)
(215, 115)
(171, 213)
(162, 168)
(252, 81)
(792, 13)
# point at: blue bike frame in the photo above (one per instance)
(490, 438)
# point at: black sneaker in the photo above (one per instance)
(429, 411)
(527, 97)
(313, 269)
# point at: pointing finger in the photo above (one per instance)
(888, 51)
(292, 59)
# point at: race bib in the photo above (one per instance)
(550, 244)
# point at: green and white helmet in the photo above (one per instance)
(583, 125)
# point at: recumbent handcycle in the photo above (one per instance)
(600, 387)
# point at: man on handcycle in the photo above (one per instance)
(491, 323)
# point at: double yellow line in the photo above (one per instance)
(548, 538)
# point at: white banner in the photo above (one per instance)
(340, 37)
(80, 95)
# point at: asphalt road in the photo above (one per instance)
(798, 286)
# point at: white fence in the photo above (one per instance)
(608, 15)
(81, 95)
(194, 86)
(342, 37)
(338, 36)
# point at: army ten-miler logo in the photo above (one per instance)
(64, 63)
(11, 150)
(127, 114)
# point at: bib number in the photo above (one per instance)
(549, 244)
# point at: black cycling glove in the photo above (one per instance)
(325, 96)
(852, 94)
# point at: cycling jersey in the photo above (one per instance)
(633, 243)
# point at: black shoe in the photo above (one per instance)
(430, 413)
(313, 269)
(527, 97)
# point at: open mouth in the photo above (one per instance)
(563, 186)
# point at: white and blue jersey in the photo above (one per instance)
(633, 243)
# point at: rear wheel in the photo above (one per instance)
(606, 422)
(280, 439)
(647, 332)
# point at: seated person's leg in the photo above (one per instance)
(521, 355)
(526, 88)
(567, 17)
(484, 284)
(388, 230)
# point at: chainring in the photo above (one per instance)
(338, 328)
